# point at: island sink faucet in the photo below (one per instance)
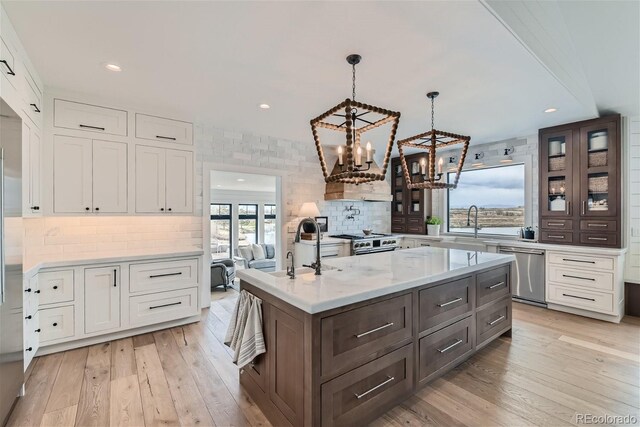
(475, 220)
(315, 265)
(291, 271)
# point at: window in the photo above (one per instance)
(270, 224)
(221, 231)
(497, 192)
(247, 224)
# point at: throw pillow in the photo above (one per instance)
(246, 252)
(270, 251)
(258, 252)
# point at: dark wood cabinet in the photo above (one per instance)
(580, 183)
(408, 207)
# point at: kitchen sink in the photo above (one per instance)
(302, 270)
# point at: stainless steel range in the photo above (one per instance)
(362, 244)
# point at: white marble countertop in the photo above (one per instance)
(359, 278)
(33, 264)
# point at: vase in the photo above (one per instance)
(433, 229)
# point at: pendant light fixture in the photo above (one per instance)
(351, 168)
(432, 141)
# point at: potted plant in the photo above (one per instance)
(433, 225)
(528, 233)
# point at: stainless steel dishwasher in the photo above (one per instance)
(528, 282)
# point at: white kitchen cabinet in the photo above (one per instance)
(109, 177)
(102, 299)
(164, 180)
(72, 174)
(89, 176)
(56, 323)
(90, 118)
(164, 130)
(7, 63)
(31, 95)
(179, 181)
(31, 166)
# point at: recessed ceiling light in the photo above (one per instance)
(240, 179)
(112, 67)
(551, 110)
(265, 106)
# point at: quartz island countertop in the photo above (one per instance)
(353, 279)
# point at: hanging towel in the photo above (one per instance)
(244, 335)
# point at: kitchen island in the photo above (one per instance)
(346, 346)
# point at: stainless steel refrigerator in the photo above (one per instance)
(11, 341)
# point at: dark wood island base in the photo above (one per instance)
(349, 365)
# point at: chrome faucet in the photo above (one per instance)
(475, 220)
(291, 271)
(315, 265)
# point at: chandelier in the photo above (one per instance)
(431, 141)
(350, 168)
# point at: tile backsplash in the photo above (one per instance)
(63, 237)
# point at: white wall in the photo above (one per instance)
(631, 200)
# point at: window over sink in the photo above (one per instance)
(499, 194)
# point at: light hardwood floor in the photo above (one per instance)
(556, 366)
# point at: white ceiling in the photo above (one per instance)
(216, 61)
(249, 182)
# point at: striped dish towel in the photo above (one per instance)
(244, 334)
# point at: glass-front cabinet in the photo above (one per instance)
(407, 205)
(580, 183)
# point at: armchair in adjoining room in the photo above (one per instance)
(223, 271)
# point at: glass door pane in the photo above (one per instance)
(220, 231)
(598, 173)
(557, 174)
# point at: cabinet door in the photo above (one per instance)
(109, 177)
(101, 299)
(150, 179)
(179, 181)
(599, 172)
(556, 174)
(72, 175)
(31, 168)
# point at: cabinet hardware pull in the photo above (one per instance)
(165, 305)
(575, 296)
(28, 290)
(165, 137)
(97, 209)
(578, 277)
(450, 302)
(153, 276)
(28, 317)
(36, 292)
(495, 286)
(496, 321)
(115, 277)
(55, 287)
(169, 209)
(37, 330)
(372, 389)
(584, 207)
(29, 349)
(87, 208)
(597, 238)
(596, 225)
(161, 209)
(379, 328)
(555, 224)
(556, 237)
(6, 64)
(55, 323)
(35, 108)
(568, 208)
(578, 260)
(90, 127)
(449, 347)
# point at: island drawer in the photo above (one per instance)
(163, 275)
(438, 350)
(356, 336)
(445, 302)
(493, 320)
(492, 285)
(355, 397)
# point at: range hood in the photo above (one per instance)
(376, 191)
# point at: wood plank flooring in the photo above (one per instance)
(556, 366)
